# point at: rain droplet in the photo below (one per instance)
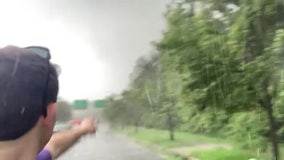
(15, 66)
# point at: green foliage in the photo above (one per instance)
(151, 100)
(247, 128)
(208, 122)
(116, 112)
(218, 71)
(233, 61)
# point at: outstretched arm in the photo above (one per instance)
(61, 141)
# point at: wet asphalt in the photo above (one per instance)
(106, 145)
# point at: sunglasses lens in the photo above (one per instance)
(42, 52)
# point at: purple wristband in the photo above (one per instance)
(44, 155)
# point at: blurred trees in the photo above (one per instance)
(218, 70)
(64, 111)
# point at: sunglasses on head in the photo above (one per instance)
(44, 53)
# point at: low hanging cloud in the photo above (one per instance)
(117, 31)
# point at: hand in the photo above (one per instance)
(88, 126)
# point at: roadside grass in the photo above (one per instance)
(158, 140)
(171, 156)
(223, 154)
(281, 148)
(161, 137)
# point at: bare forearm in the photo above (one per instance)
(61, 141)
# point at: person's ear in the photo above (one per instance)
(50, 118)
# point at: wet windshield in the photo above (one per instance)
(167, 79)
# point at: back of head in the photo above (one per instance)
(22, 86)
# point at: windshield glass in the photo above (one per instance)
(166, 79)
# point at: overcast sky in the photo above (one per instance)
(96, 42)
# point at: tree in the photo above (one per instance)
(115, 112)
(64, 111)
(171, 87)
(136, 107)
(229, 54)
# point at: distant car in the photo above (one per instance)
(75, 121)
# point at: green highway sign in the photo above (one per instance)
(80, 104)
(99, 103)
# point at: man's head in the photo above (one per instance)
(28, 92)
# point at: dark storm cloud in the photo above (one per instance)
(120, 30)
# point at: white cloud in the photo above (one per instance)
(82, 73)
